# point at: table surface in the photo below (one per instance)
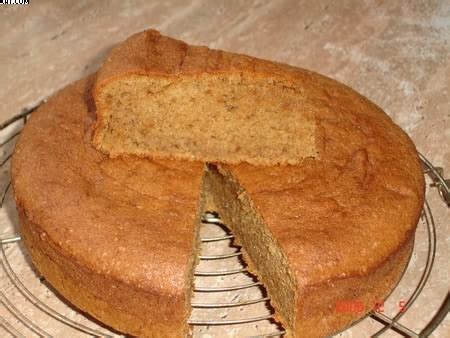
(396, 55)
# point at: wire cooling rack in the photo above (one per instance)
(227, 300)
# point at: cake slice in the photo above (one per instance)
(161, 98)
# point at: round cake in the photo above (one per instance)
(118, 236)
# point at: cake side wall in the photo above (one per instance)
(133, 311)
(330, 307)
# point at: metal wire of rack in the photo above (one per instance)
(389, 323)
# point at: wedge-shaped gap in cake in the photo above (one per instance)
(261, 252)
(227, 297)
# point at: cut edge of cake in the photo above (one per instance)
(262, 253)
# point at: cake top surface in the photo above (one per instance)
(129, 218)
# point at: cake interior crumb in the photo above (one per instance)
(230, 118)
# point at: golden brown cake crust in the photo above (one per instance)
(117, 232)
(344, 219)
(150, 53)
